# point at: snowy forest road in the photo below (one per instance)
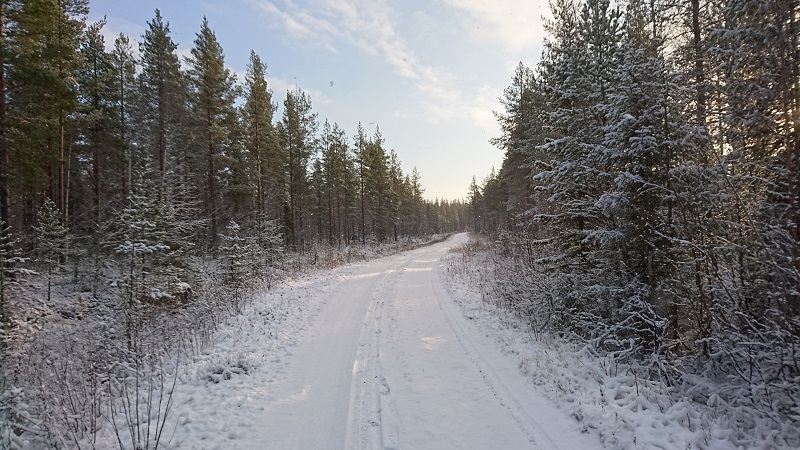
(389, 362)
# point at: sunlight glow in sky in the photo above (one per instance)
(429, 73)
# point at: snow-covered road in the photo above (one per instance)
(370, 356)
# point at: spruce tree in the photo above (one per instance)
(51, 240)
(635, 256)
(12, 265)
(236, 253)
(150, 239)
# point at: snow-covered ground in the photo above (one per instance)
(367, 356)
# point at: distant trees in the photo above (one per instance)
(126, 142)
(650, 187)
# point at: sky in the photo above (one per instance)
(428, 73)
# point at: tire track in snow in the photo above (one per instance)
(505, 396)
(371, 424)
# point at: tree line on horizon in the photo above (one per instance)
(648, 200)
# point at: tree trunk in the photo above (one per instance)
(62, 176)
(127, 180)
(699, 69)
(5, 245)
(162, 141)
(259, 165)
(4, 160)
(212, 180)
(292, 208)
(363, 213)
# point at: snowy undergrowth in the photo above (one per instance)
(78, 374)
(215, 387)
(627, 411)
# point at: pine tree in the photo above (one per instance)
(339, 181)
(416, 196)
(347, 204)
(376, 185)
(397, 196)
(238, 176)
(319, 191)
(97, 97)
(329, 168)
(261, 139)
(475, 199)
(5, 169)
(124, 85)
(163, 94)
(44, 44)
(298, 130)
(213, 95)
(522, 132)
(360, 142)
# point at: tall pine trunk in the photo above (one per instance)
(212, 179)
(5, 199)
(699, 66)
(162, 141)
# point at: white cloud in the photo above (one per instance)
(516, 26)
(301, 24)
(481, 111)
(369, 26)
(279, 87)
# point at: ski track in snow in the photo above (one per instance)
(373, 355)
